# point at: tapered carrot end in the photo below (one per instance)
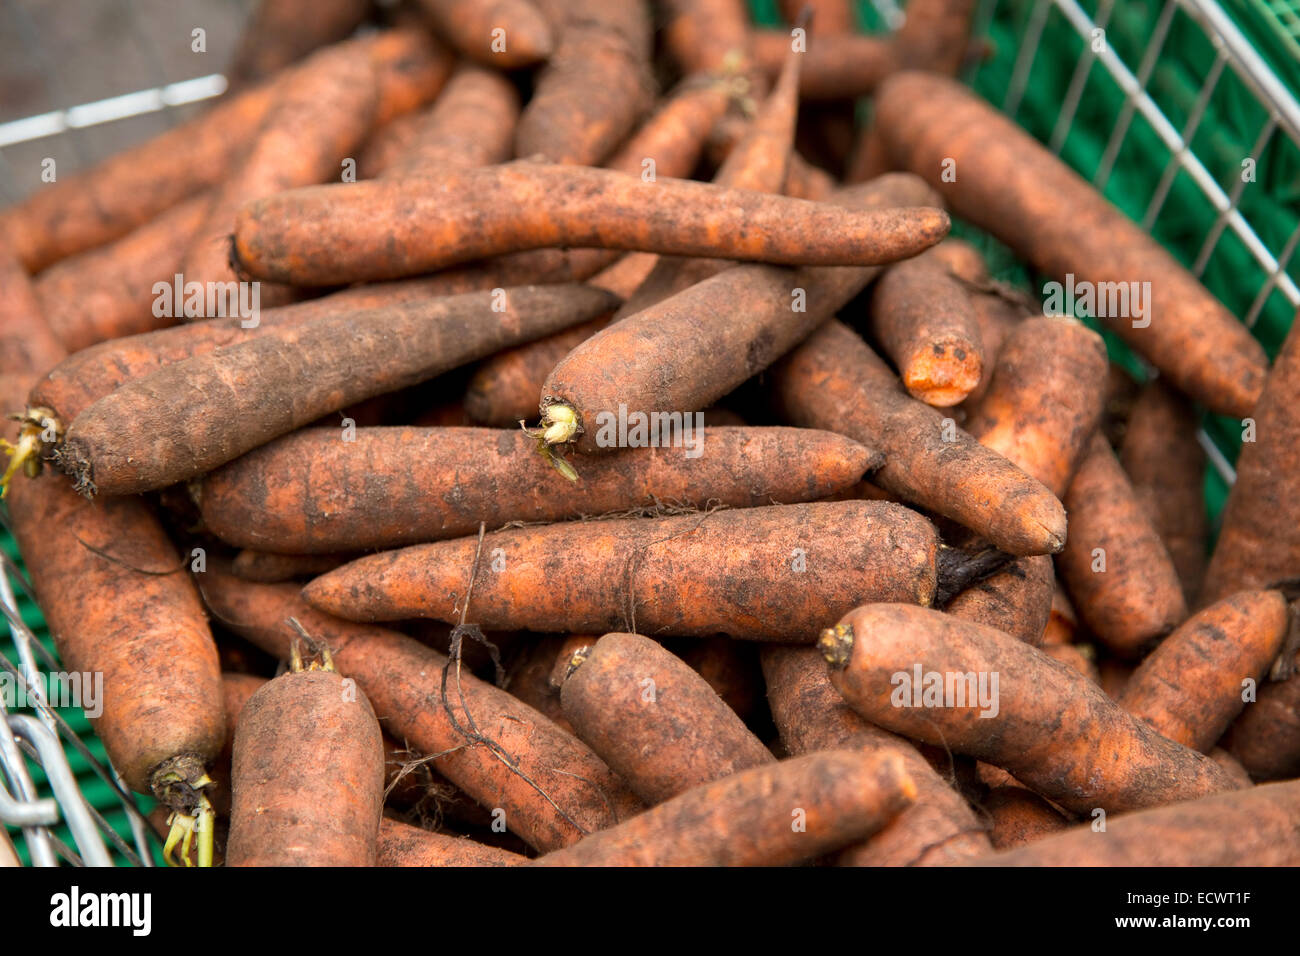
(943, 374)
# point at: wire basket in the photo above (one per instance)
(1162, 104)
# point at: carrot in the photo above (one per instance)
(707, 36)
(1016, 601)
(505, 34)
(1053, 730)
(1259, 542)
(731, 668)
(656, 722)
(307, 773)
(836, 66)
(1117, 570)
(595, 86)
(774, 815)
(810, 714)
(281, 32)
(379, 229)
(107, 201)
(270, 568)
(1018, 816)
(235, 691)
(1045, 399)
(402, 678)
(1254, 827)
(624, 574)
(401, 844)
(109, 292)
(1191, 687)
(830, 17)
(935, 35)
(834, 381)
(471, 123)
(924, 320)
(298, 495)
(1266, 737)
(530, 676)
(120, 605)
(388, 144)
(224, 403)
(1166, 464)
(696, 346)
(323, 110)
(1008, 183)
(28, 346)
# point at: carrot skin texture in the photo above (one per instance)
(696, 346)
(1252, 827)
(1259, 541)
(1057, 222)
(1189, 688)
(308, 775)
(270, 568)
(1166, 464)
(1265, 739)
(146, 633)
(1016, 601)
(202, 412)
(938, 829)
(834, 381)
(309, 493)
(28, 345)
(1137, 599)
(1019, 817)
(745, 819)
(401, 844)
(402, 678)
(384, 229)
(676, 735)
(707, 36)
(579, 577)
(470, 26)
(1055, 731)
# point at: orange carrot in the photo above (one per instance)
(280, 32)
(401, 844)
(505, 34)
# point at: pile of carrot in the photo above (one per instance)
(557, 433)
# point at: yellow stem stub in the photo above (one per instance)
(39, 428)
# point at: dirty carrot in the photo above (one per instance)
(1018, 816)
(380, 229)
(1266, 737)
(935, 35)
(1016, 600)
(1010, 184)
(696, 346)
(1118, 572)
(1055, 731)
(1044, 399)
(307, 772)
(236, 688)
(707, 36)
(1166, 465)
(505, 34)
(834, 381)
(401, 844)
(626, 574)
(224, 403)
(840, 796)
(836, 67)
(281, 32)
(924, 320)
(119, 603)
(298, 495)
(1191, 687)
(549, 785)
(656, 722)
(939, 828)
(270, 568)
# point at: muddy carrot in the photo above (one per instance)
(381, 229)
(1016, 600)
(530, 677)
(828, 16)
(935, 35)
(227, 402)
(707, 36)
(1266, 737)
(1018, 816)
(745, 819)
(834, 381)
(836, 67)
(307, 773)
(696, 346)
(1116, 568)
(298, 494)
(1166, 464)
(505, 34)
(565, 789)
(28, 346)
(810, 714)
(1259, 542)
(280, 32)
(1013, 186)
(730, 667)
(1254, 827)
(924, 321)
(269, 568)
(656, 722)
(109, 292)
(1044, 399)
(626, 574)
(120, 604)
(401, 844)
(595, 86)
(1056, 732)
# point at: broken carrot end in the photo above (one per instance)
(836, 645)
